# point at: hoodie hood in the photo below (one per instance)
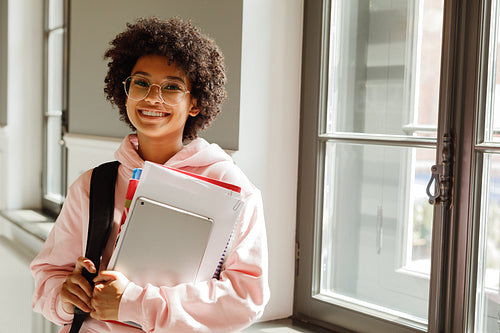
(198, 157)
(195, 155)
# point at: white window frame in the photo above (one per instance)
(52, 202)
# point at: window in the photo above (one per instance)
(391, 88)
(55, 104)
(375, 152)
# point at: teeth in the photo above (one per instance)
(152, 113)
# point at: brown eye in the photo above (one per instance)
(139, 82)
(170, 87)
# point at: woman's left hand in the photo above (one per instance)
(108, 291)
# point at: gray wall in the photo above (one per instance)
(93, 23)
(3, 61)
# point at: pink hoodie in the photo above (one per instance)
(225, 305)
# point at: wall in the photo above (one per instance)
(269, 130)
(220, 19)
(21, 138)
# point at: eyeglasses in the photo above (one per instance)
(138, 87)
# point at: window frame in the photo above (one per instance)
(313, 99)
(52, 206)
(4, 35)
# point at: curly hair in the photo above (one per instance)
(182, 43)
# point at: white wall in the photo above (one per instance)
(21, 139)
(269, 130)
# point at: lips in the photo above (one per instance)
(153, 113)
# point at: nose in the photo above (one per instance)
(154, 96)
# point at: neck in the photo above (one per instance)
(158, 151)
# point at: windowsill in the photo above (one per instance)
(26, 230)
(285, 325)
(34, 222)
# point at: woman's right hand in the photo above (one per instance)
(76, 290)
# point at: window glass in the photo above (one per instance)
(56, 14)
(55, 70)
(384, 56)
(488, 299)
(377, 224)
(3, 61)
(54, 158)
(53, 173)
(492, 119)
(488, 292)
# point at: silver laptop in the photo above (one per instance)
(162, 245)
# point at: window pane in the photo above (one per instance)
(53, 165)
(54, 88)
(55, 70)
(488, 292)
(384, 60)
(492, 127)
(56, 14)
(487, 316)
(376, 229)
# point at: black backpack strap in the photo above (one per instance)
(101, 212)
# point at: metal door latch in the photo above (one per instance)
(437, 170)
(442, 175)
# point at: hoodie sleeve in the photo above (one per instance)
(56, 260)
(225, 305)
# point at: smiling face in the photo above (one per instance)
(152, 118)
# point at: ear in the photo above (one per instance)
(193, 108)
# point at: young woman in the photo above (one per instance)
(167, 80)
